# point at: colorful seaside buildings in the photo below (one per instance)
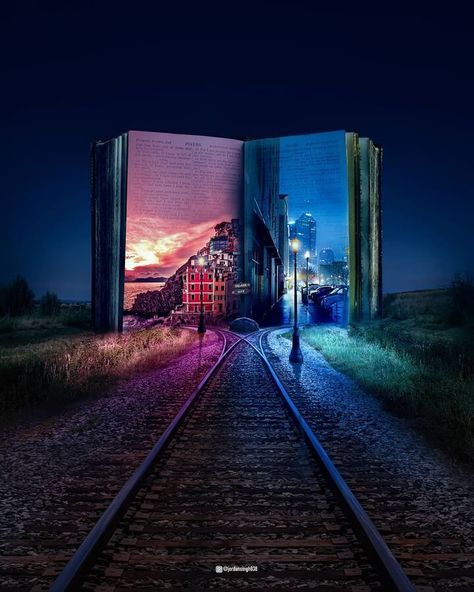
(215, 267)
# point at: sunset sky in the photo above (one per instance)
(158, 248)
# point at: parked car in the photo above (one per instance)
(320, 293)
(312, 288)
(335, 303)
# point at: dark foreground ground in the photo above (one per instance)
(60, 471)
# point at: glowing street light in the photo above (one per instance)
(201, 326)
(296, 355)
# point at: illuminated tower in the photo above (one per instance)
(304, 229)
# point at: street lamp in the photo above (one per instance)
(201, 326)
(296, 355)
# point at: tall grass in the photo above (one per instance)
(376, 367)
(69, 366)
(404, 305)
(430, 380)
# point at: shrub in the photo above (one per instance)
(76, 315)
(49, 304)
(16, 298)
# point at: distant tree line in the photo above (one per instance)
(17, 299)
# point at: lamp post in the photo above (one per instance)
(296, 355)
(201, 326)
(306, 255)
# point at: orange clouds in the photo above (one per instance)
(155, 248)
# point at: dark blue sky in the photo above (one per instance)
(74, 74)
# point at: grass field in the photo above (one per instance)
(419, 360)
(59, 357)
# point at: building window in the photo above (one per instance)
(192, 286)
(210, 286)
(210, 297)
(192, 276)
(192, 296)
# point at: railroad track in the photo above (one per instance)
(238, 479)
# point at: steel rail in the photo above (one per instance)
(74, 571)
(391, 569)
(76, 568)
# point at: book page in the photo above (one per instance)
(313, 172)
(180, 187)
(296, 188)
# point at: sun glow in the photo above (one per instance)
(147, 252)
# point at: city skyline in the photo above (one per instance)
(305, 230)
(313, 173)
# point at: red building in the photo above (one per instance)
(192, 287)
(217, 286)
(217, 263)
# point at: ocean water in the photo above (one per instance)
(134, 288)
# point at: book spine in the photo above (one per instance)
(376, 298)
(353, 177)
(108, 192)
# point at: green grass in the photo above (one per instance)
(418, 362)
(65, 366)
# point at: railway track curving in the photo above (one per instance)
(238, 482)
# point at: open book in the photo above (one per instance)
(189, 224)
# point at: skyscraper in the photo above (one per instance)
(304, 229)
(326, 257)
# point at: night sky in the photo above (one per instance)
(75, 72)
